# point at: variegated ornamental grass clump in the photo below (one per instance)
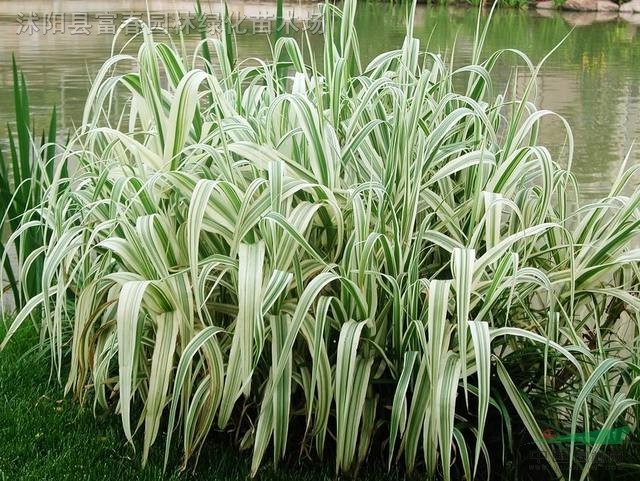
(340, 256)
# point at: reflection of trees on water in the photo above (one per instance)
(592, 79)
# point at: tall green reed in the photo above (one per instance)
(26, 171)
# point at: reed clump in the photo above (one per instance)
(333, 257)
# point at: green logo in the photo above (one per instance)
(601, 437)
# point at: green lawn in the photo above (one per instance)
(44, 436)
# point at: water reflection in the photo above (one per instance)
(593, 79)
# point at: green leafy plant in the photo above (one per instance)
(515, 3)
(26, 171)
(358, 255)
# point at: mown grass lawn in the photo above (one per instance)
(45, 436)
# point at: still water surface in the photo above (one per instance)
(593, 79)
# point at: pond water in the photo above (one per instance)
(593, 79)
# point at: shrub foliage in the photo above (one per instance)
(319, 252)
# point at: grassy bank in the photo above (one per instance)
(45, 436)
